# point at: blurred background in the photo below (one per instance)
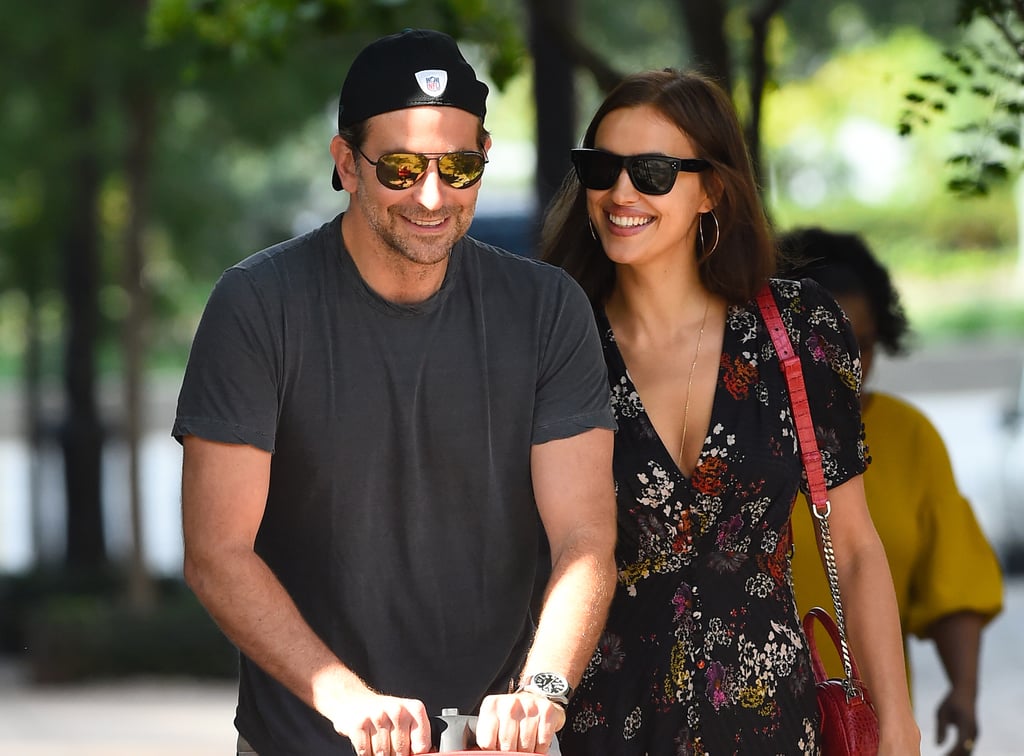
(147, 145)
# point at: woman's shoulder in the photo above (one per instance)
(809, 309)
(804, 305)
(802, 295)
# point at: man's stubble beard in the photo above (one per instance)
(407, 245)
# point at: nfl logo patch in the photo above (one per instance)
(432, 82)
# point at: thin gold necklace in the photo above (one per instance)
(689, 382)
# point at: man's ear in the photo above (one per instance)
(344, 163)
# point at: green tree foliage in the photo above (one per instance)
(818, 30)
(252, 73)
(248, 31)
(980, 82)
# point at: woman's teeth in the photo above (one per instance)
(629, 221)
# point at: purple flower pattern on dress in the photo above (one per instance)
(715, 688)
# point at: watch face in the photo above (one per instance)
(550, 683)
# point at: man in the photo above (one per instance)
(377, 418)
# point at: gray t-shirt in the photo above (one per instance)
(400, 516)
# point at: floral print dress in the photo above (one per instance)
(703, 651)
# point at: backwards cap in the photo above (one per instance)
(413, 67)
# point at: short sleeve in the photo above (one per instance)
(957, 569)
(572, 384)
(830, 359)
(230, 388)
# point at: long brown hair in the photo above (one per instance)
(745, 255)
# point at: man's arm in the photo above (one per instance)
(224, 493)
(575, 493)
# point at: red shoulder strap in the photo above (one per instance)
(798, 399)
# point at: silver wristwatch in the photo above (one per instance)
(551, 685)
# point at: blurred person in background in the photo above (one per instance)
(382, 419)
(661, 223)
(946, 574)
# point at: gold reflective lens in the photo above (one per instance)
(400, 170)
(461, 169)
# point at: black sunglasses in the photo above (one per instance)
(400, 170)
(650, 174)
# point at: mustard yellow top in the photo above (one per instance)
(940, 560)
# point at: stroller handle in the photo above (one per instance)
(460, 733)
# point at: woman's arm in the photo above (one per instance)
(872, 617)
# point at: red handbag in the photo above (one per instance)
(849, 724)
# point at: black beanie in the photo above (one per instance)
(413, 67)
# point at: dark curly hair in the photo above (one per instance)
(844, 264)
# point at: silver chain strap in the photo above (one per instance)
(832, 572)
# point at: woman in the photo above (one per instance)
(661, 224)
(948, 581)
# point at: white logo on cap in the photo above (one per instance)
(433, 82)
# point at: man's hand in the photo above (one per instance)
(381, 725)
(522, 722)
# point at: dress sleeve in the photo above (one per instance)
(230, 389)
(830, 358)
(957, 569)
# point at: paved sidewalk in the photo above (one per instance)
(139, 718)
(175, 717)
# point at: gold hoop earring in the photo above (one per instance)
(718, 233)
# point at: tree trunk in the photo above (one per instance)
(141, 108)
(760, 19)
(705, 22)
(554, 94)
(559, 31)
(32, 379)
(82, 436)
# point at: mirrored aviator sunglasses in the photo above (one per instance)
(400, 170)
(650, 174)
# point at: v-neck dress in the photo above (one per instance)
(703, 652)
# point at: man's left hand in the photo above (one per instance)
(523, 722)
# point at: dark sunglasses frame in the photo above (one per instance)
(380, 164)
(637, 167)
